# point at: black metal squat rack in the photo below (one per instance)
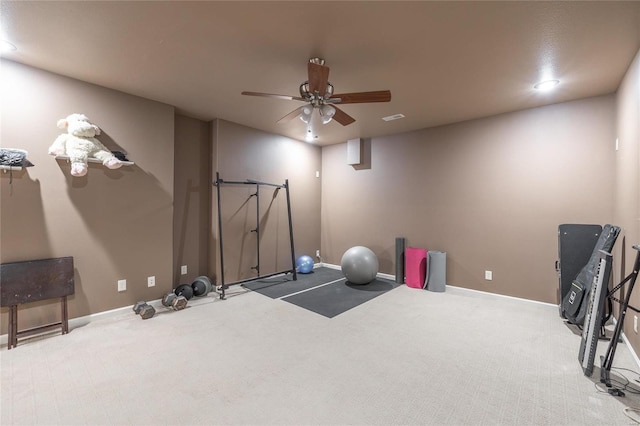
(218, 182)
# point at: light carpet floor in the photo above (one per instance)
(407, 357)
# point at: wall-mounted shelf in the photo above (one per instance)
(7, 168)
(93, 160)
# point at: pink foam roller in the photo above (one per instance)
(415, 266)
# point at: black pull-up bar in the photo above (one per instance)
(218, 182)
(257, 182)
(246, 182)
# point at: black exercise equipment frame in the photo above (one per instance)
(217, 183)
(606, 361)
(593, 319)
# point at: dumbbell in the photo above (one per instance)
(184, 290)
(171, 300)
(201, 286)
(143, 309)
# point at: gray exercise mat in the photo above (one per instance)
(276, 287)
(337, 298)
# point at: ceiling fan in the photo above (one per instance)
(318, 93)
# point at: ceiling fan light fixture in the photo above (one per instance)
(304, 90)
(327, 112)
(329, 91)
(318, 92)
(305, 113)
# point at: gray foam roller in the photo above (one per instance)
(437, 271)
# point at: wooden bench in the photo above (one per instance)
(32, 281)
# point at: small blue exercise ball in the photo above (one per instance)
(304, 264)
(359, 265)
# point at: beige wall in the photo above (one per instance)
(243, 153)
(117, 224)
(192, 189)
(489, 192)
(239, 153)
(145, 219)
(627, 185)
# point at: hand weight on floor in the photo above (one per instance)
(170, 300)
(201, 286)
(184, 290)
(143, 309)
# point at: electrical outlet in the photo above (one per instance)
(318, 253)
(317, 173)
(122, 285)
(635, 323)
(151, 281)
(488, 275)
(183, 269)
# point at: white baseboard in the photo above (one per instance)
(633, 353)
(329, 265)
(82, 321)
(463, 289)
(393, 277)
(503, 296)
(628, 343)
(339, 268)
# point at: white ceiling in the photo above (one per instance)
(444, 62)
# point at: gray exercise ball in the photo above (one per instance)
(359, 265)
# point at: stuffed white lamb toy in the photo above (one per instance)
(79, 144)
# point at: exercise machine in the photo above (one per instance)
(575, 245)
(594, 314)
(574, 304)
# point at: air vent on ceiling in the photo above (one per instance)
(393, 117)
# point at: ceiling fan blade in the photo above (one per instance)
(342, 117)
(293, 114)
(362, 97)
(318, 78)
(271, 95)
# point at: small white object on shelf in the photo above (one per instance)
(92, 160)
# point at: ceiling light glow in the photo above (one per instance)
(546, 85)
(8, 47)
